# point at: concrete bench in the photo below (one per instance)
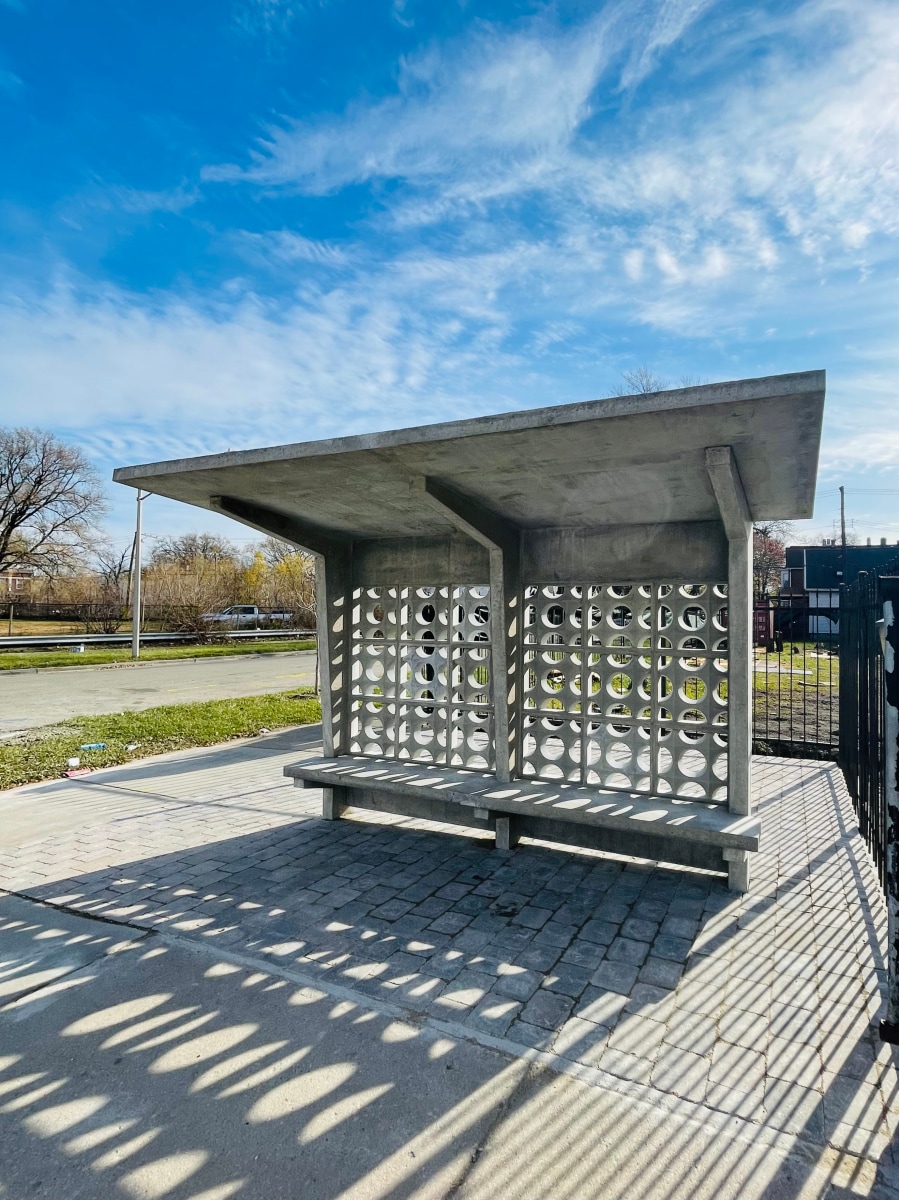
(688, 832)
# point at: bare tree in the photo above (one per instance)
(275, 551)
(50, 499)
(640, 381)
(190, 548)
(769, 541)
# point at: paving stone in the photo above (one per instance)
(692, 1032)
(566, 979)
(494, 1014)
(582, 1041)
(600, 1006)
(675, 948)
(851, 1102)
(649, 910)
(557, 935)
(467, 989)
(737, 1066)
(613, 911)
(639, 930)
(517, 983)
(626, 1066)
(637, 1035)
(537, 958)
(584, 954)
(548, 1009)
(626, 950)
(743, 1028)
(532, 918)
(614, 976)
(681, 1072)
(471, 905)
(661, 972)
(513, 939)
(680, 927)
(536, 1036)
(450, 923)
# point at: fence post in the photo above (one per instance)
(889, 595)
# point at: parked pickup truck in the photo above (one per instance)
(246, 616)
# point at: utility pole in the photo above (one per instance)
(843, 534)
(136, 579)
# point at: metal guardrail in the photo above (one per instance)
(121, 639)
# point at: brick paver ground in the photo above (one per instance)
(760, 1007)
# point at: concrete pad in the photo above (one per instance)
(174, 1073)
(41, 946)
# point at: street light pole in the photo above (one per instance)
(136, 579)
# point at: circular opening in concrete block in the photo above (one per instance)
(693, 688)
(692, 763)
(693, 617)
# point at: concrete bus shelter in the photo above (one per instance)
(539, 623)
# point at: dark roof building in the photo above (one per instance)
(824, 568)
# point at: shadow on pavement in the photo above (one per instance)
(332, 1056)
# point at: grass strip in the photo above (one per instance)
(18, 659)
(42, 753)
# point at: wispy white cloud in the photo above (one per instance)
(284, 247)
(799, 149)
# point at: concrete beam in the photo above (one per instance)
(728, 488)
(467, 515)
(736, 519)
(270, 521)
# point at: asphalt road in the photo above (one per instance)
(42, 697)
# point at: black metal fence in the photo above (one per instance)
(796, 678)
(861, 709)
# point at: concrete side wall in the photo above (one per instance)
(418, 562)
(680, 552)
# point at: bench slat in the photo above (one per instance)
(688, 820)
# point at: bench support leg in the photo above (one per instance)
(737, 869)
(333, 803)
(507, 834)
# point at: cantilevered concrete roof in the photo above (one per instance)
(622, 461)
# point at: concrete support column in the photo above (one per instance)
(735, 516)
(334, 600)
(507, 834)
(334, 803)
(737, 869)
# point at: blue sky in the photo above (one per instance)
(232, 223)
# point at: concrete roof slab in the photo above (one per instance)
(623, 461)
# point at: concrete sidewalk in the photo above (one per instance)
(380, 1008)
(32, 698)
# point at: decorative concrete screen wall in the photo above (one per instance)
(625, 686)
(421, 685)
(538, 623)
